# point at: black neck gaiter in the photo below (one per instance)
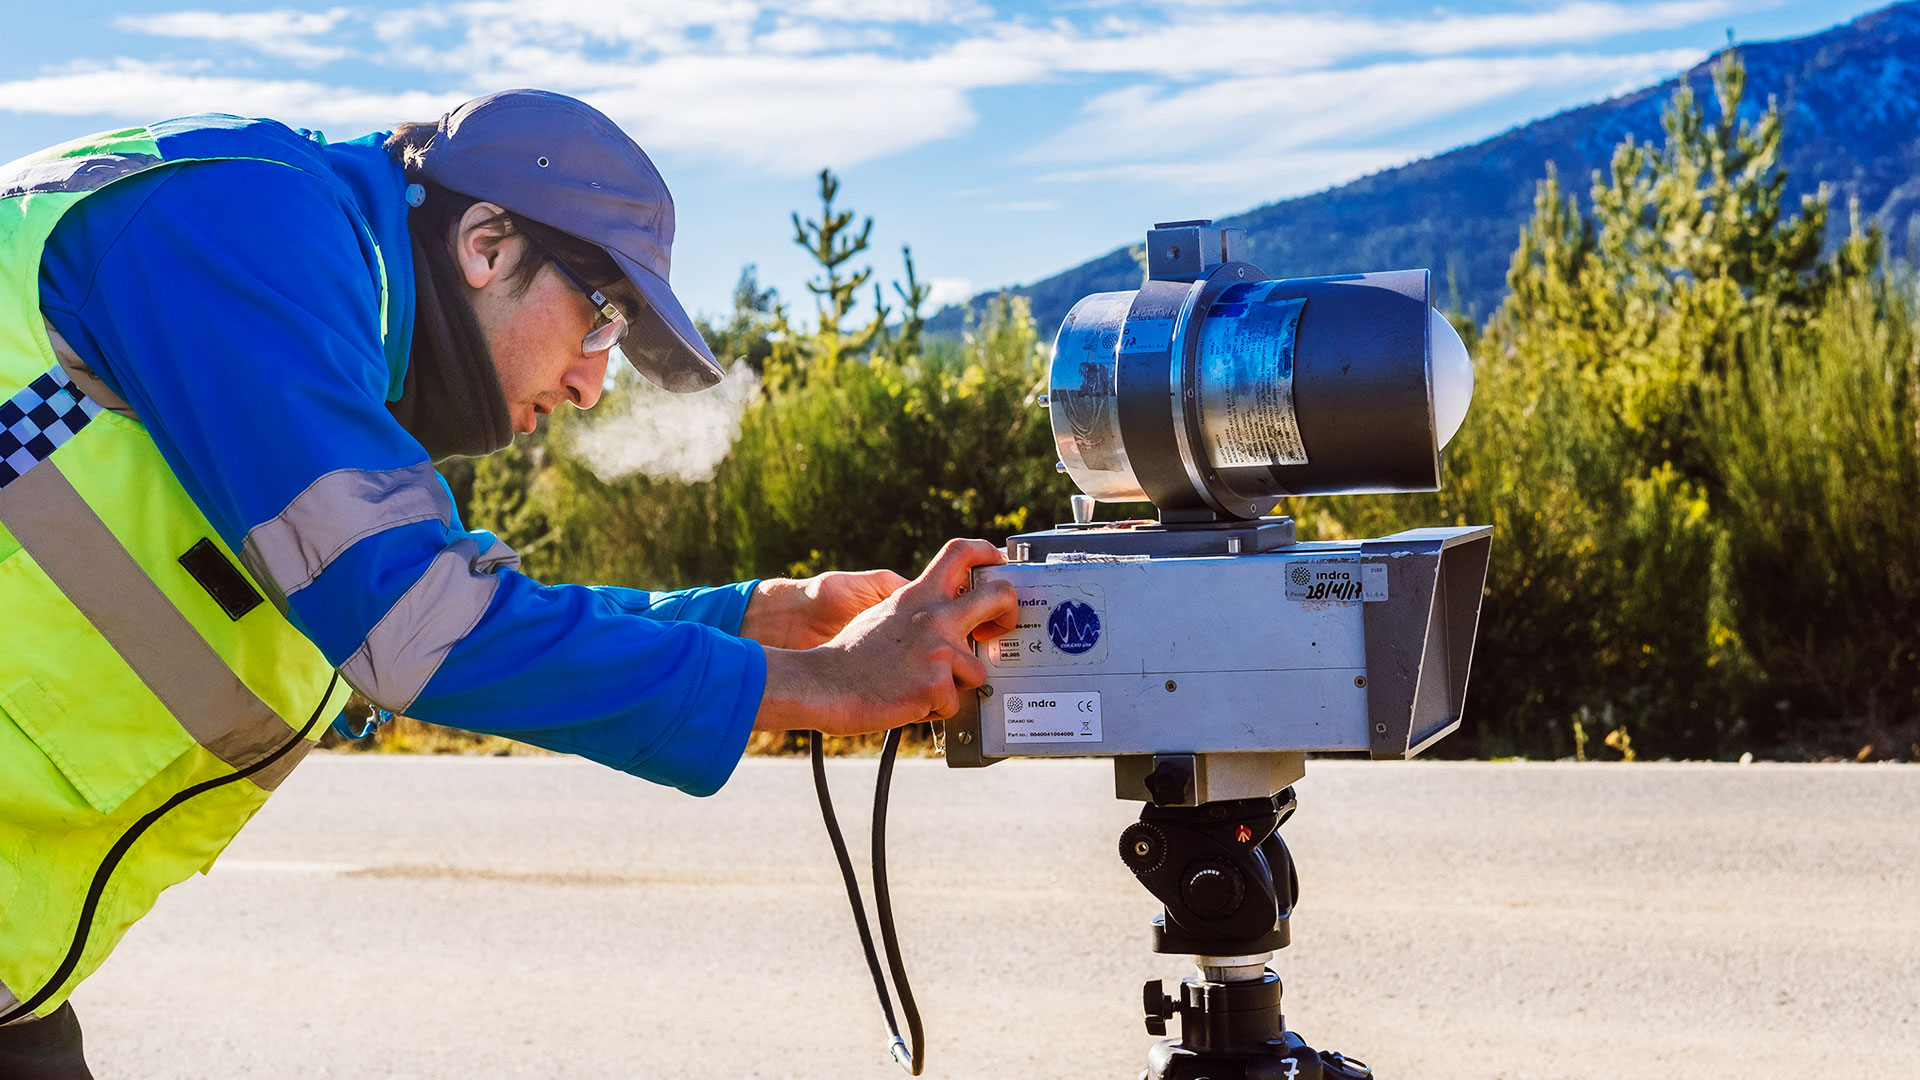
(451, 399)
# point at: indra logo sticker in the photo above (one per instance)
(1060, 626)
(1342, 580)
(1074, 627)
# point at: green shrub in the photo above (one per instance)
(1696, 433)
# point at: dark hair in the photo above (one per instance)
(442, 209)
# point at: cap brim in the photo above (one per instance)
(662, 343)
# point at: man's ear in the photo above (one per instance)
(485, 247)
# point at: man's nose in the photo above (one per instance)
(585, 380)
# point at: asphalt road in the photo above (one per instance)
(447, 917)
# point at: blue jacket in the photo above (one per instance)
(235, 306)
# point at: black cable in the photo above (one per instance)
(883, 903)
(911, 1058)
(846, 874)
(127, 839)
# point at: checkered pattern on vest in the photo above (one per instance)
(35, 421)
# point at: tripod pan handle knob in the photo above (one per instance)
(1158, 1007)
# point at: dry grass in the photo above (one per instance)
(405, 735)
(917, 742)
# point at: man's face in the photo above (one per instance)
(535, 335)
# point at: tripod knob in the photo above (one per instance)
(1143, 848)
(1170, 784)
(1158, 1007)
(1213, 887)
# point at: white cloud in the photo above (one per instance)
(1230, 43)
(942, 291)
(798, 38)
(790, 85)
(1258, 174)
(282, 33)
(786, 115)
(128, 88)
(1255, 140)
(1268, 115)
(891, 11)
(1581, 22)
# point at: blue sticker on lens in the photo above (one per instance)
(1074, 627)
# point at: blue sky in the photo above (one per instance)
(1004, 141)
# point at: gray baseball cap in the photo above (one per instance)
(562, 163)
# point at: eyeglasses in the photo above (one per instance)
(604, 335)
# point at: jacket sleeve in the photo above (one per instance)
(236, 307)
(721, 607)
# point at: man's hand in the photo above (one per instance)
(789, 614)
(904, 659)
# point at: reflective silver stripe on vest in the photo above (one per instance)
(336, 511)
(406, 647)
(83, 557)
(8, 1003)
(71, 174)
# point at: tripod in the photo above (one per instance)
(1228, 886)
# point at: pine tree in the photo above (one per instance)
(912, 296)
(832, 245)
(1690, 252)
(758, 330)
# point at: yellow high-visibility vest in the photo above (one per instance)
(150, 698)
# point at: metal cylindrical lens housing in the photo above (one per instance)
(1316, 386)
(1083, 395)
(1216, 398)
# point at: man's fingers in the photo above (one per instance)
(994, 608)
(945, 701)
(930, 625)
(969, 671)
(952, 569)
(1000, 625)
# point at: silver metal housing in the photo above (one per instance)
(1313, 647)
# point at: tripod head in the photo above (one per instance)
(1228, 886)
(1222, 872)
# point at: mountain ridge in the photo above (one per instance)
(1850, 96)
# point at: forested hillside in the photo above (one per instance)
(1849, 100)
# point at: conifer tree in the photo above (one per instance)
(757, 331)
(878, 335)
(1690, 252)
(832, 245)
(912, 296)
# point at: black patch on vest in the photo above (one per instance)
(222, 580)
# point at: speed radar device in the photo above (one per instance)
(1213, 392)
(1208, 650)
